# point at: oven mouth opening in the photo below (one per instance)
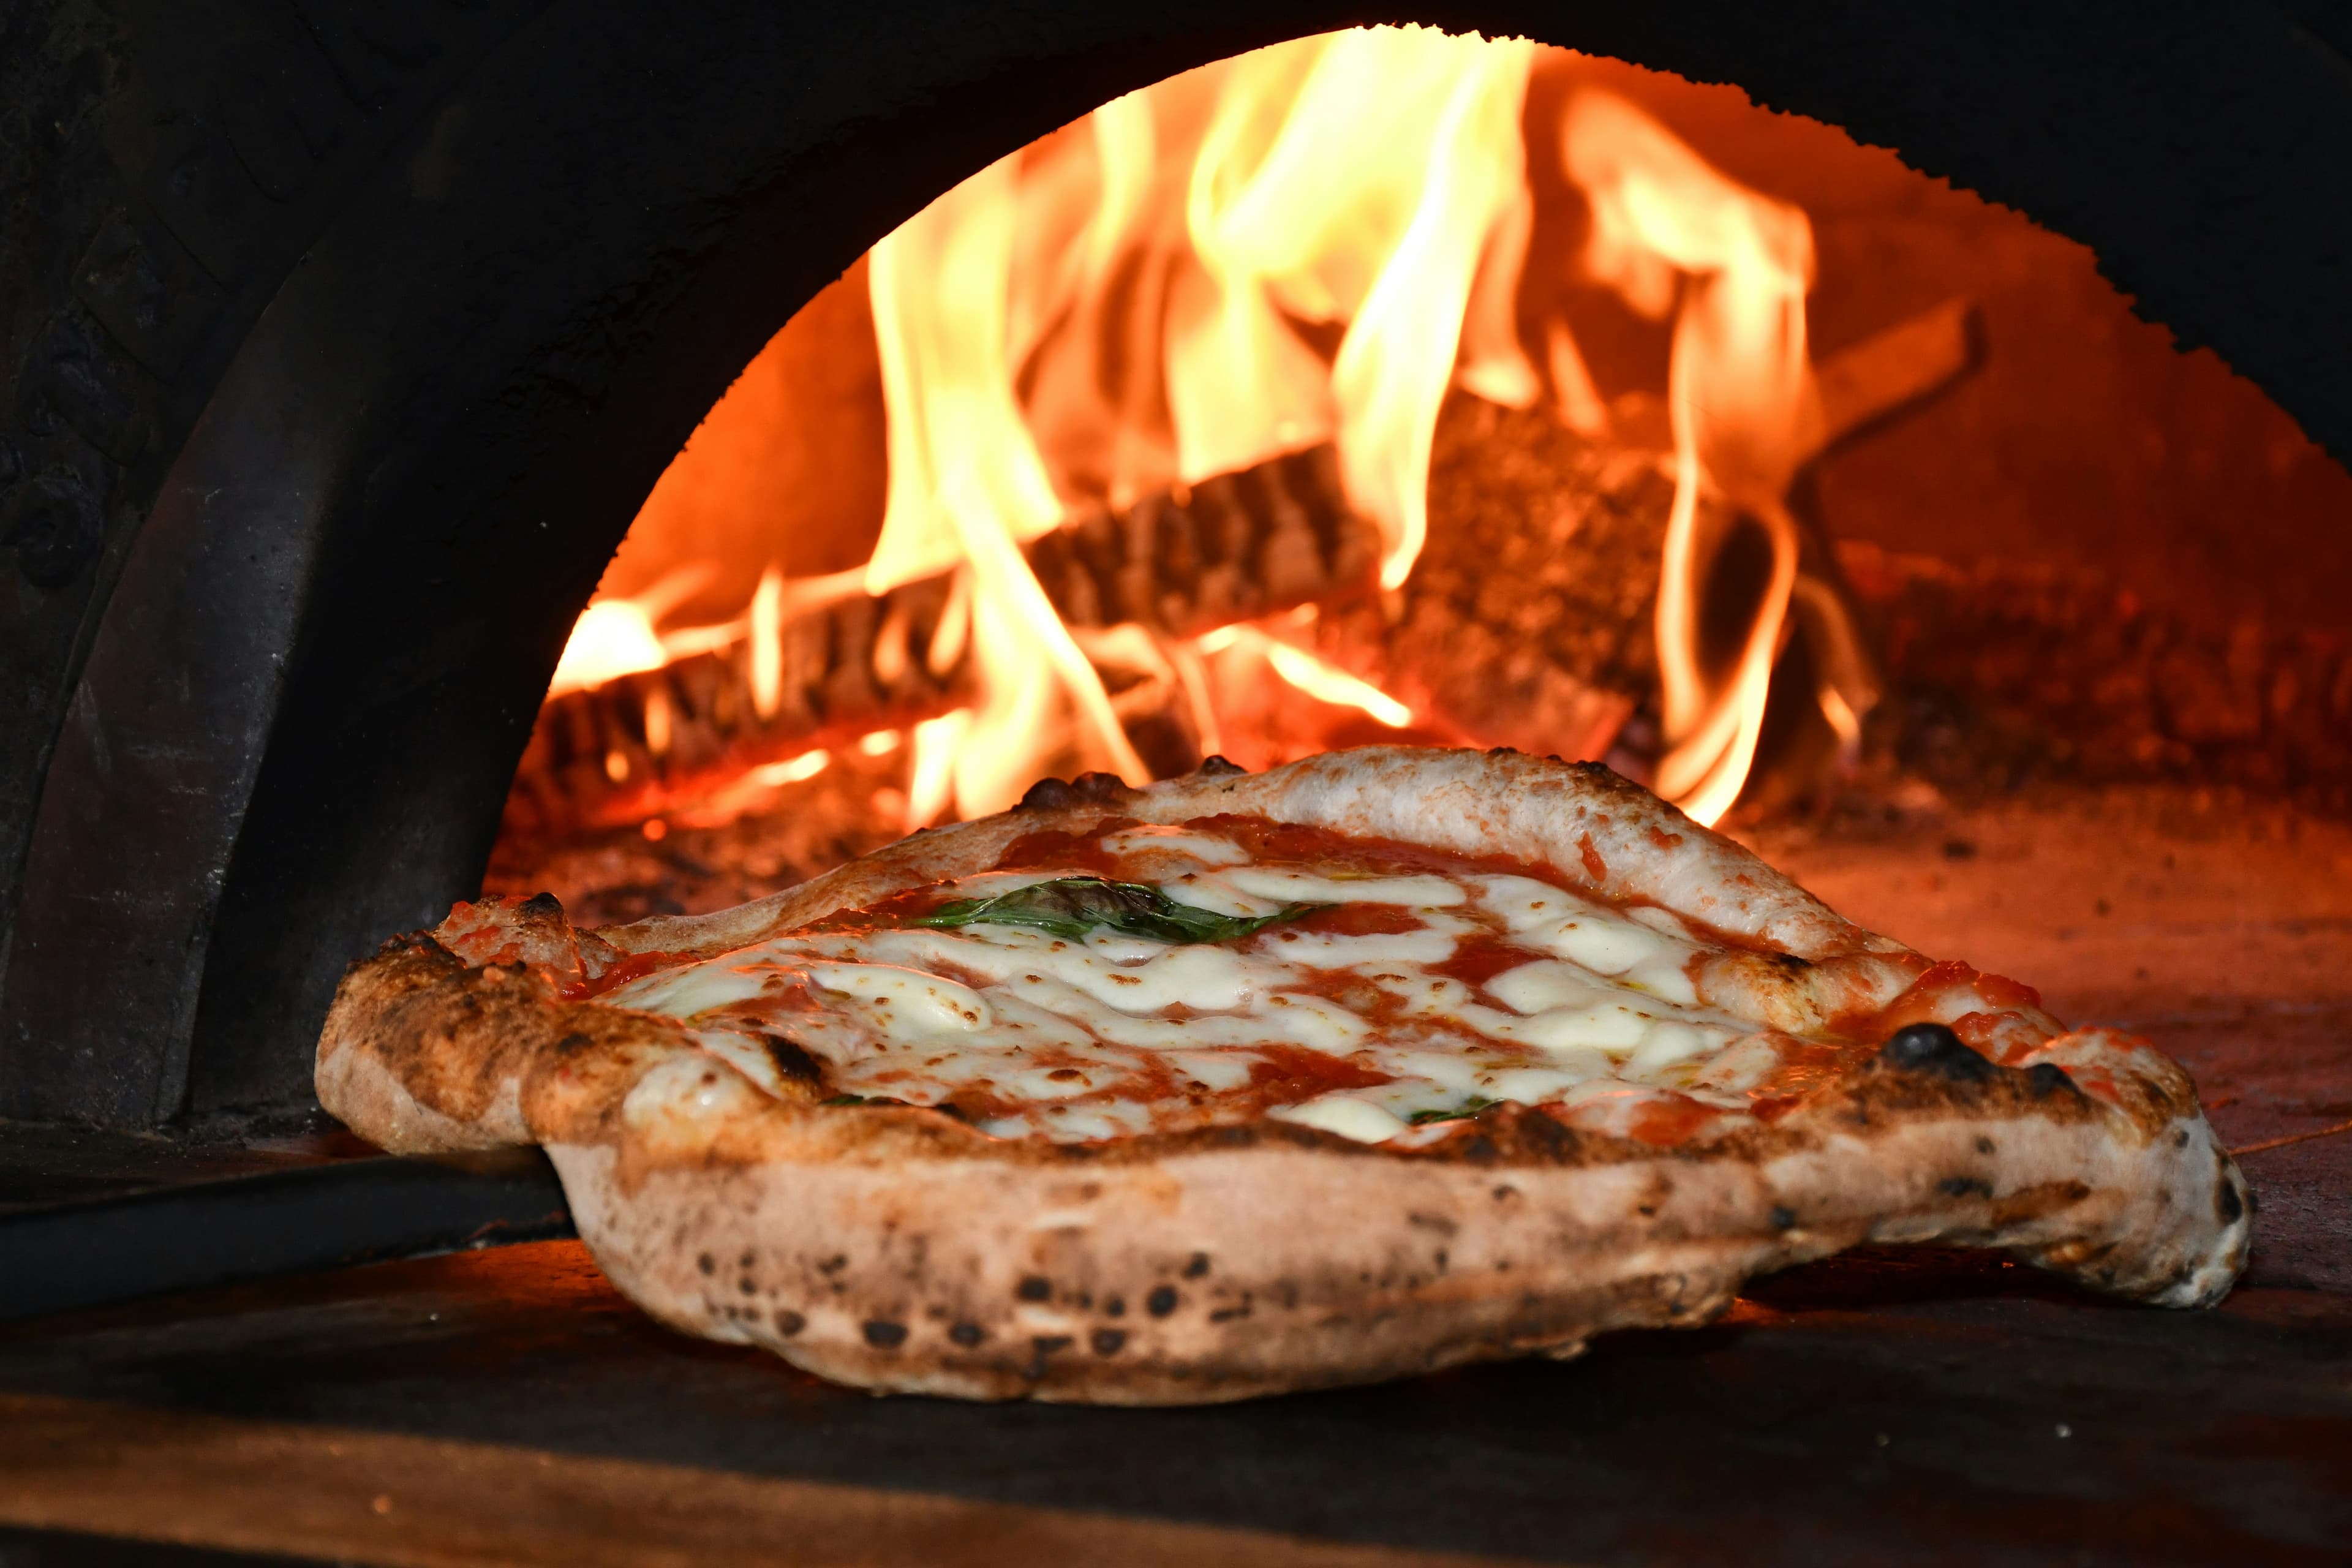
(1395, 386)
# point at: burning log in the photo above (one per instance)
(1241, 545)
(1233, 548)
(1529, 620)
(844, 663)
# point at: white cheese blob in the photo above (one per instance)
(1348, 1115)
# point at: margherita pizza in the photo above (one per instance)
(1379, 1062)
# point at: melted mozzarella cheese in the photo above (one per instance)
(1048, 1035)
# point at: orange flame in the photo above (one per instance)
(1740, 393)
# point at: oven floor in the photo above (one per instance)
(508, 1406)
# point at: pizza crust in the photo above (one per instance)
(898, 1250)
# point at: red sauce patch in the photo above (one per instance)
(636, 966)
(1082, 850)
(1594, 866)
(1289, 1074)
(1479, 956)
(1360, 920)
(1666, 1122)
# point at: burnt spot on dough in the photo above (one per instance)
(1784, 1218)
(1034, 1288)
(792, 1063)
(1115, 1307)
(541, 906)
(1099, 787)
(1042, 1349)
(1984, 1144)
(2046, 1078)
(967, 1335)
(2227, 1201)
(1108, 1342)
(834, 1264)
(1504, 1191)
(1965, 1187)
(1161, 1301)
(707, 1263)
(882, 1334)
(1935, 1049)
(789, 1323)
(749, 1286)
(572, 1044)
(1216, 767)
(1197, 1266)
(1241, 1309)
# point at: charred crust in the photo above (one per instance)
(1043, 1348)
(1115, 1307)
(2043, 1079)
(970, 1336)
(1108, 1342)
(708, 1264)
(882, 1334)
(1034, 1288)
(1934, 1049)
(1161, 1301)
(1196, 1266)
(789, 1323)
(541, 907)
(420, 942)
(2227, 1203)
(1100, 787)
(1213, 766)
(1965, 1187)
(1784, 1218)
(1049, 795)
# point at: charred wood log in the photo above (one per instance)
(1228, 549)
(1529, 619)
(1179, 562)
(619, 751)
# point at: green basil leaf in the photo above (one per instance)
(1079, 906)
(1463, 1113)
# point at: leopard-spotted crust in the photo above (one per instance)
(898, 1250)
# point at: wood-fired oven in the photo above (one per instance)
(458, 445)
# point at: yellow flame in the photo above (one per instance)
(791, 770)
(968, 486)
(1741, 397)
(611, 639)
(767, 635)
(1324, 681)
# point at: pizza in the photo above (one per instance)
(1378, 1062)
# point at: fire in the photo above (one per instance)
(1311, 244)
